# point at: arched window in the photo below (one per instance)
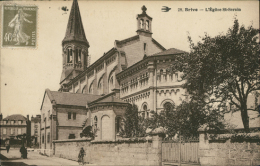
(83, 89)
(78, 55)
(145, 111)
(145, 107)
(147, 25)
(95, 122)
(69, 55)
(111, 84)
(100, 86)
(91, 88)
(167, 106)
(141, 23)
(118, 124)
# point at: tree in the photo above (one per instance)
(88, 132)
(133, 124)
(185, 119)
(223, 70)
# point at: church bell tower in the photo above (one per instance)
(74, 47)
(144, 23)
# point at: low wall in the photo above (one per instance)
(120, 152)
(227, 152)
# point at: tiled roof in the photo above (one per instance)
(171, 51)
(75, 30)
(73, 99)
(127, 40)
(15, 117)
(111, 99)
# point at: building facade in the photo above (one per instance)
(12, 126)
(136, 65)
(135, 71)
(35, 129)
(63, 116)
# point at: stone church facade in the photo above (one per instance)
(133, 71)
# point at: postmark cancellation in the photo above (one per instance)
(19, 26)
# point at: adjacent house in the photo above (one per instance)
(35, 129)
(12, 126)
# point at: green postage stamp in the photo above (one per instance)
(19, 25)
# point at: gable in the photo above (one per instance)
(136, 49)
(46, 103)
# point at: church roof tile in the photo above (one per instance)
(75, 30)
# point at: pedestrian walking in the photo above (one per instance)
(81, 156)
(8, 148)
(23, 152)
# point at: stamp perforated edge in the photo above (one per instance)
(36, 29)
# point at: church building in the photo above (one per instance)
(134, 71)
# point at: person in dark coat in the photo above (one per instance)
(23, 152)
(8, 148)
(81, 156)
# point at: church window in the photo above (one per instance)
(145, 111)
(118, 124)
(95, 122)
(83, 89)
(147, 25)
(78, 55)
(100, 87)
(91, 89)
(141, 23)
(111, 83)
(69, 55)
(167, 106)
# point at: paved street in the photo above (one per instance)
(13, 158)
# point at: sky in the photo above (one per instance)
(26, 73)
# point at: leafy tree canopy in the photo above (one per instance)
(223, 70)
(133, 125)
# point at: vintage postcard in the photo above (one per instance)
(19, 25)
(129, 83)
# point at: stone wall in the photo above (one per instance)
(120, 152)
(227, 152)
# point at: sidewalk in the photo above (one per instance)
(13, 158)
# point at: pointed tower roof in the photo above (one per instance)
(75, 30)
